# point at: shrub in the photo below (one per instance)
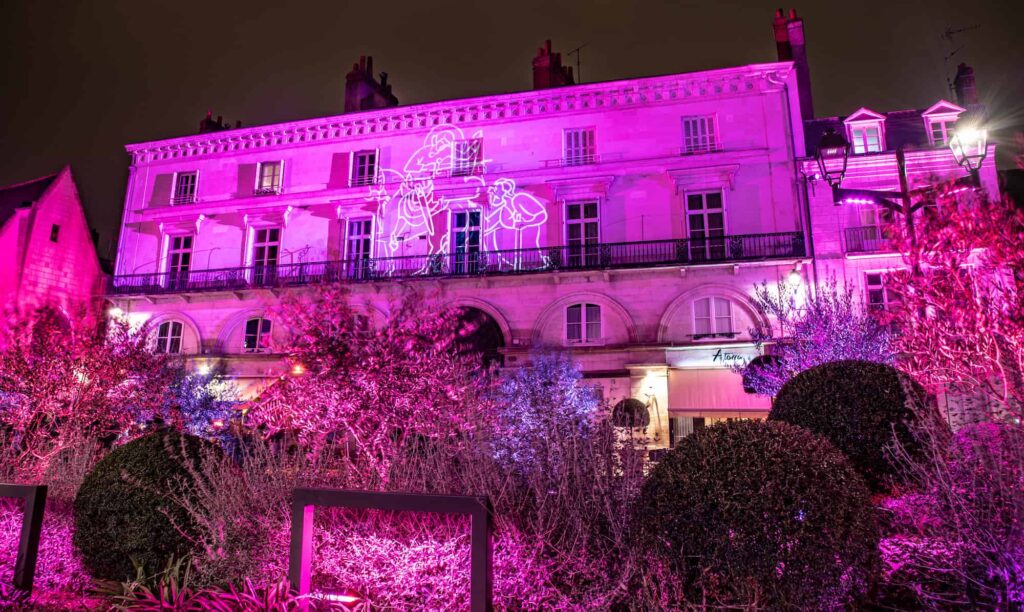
(862, 408)
(123, 512)
(764, 514)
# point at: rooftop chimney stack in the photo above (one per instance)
(548, 70)
(791, 46)
(363, 92)
(208, 124)
(964, 86)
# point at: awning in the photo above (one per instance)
(711, 390)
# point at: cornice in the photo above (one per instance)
(751, 79)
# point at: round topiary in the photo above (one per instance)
(123, 515)
(861, 407)
(763, 512)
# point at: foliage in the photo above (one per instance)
(970, 551)
(58, 566)
(63, 377)
(962, 313)
(379, 388)
(863, 408)
(762, 514)
(827, 325)
(123, 513)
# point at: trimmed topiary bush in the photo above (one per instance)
(123, 515)
(762, 513)
(862, 408)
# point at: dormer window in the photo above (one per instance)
(866, 131)
(939, 121)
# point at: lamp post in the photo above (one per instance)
(969, 145)
(833, 156)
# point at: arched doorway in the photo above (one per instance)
(479, 333)
(631, 413)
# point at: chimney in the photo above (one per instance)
(208, 124)
(963, 85)
(548, 70)
(791, 46)
(782, 46)
(363, 92)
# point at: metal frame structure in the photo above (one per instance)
(305, 502)
(31, 527)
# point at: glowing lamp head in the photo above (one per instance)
(298, 369)
(203, 369)
(794, 278)
(832, 157)
(969, 145)
(115, 313)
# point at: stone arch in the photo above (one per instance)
(236, 322)
(631, 413)
(491, 311)
(682, 303)
(554, 309)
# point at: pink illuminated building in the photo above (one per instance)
(627, 221)
(49, 255)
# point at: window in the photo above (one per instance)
(364, 168)
(580, 147)
(179, 261)
(467, 157)
(712, 318)
(257, 335)
(582, 234)
(54, 232)
(941, 130)
(705, 222)
(265, 247)
(879, 296)
(168, 338)
(185, 184)
(866, 138)
(358, 249)
(268, 179)
(466, 242)
(583, 323)
(699, 135)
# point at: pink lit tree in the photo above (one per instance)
(962, 317)
(376, 390)
(829, 325)
(71, 378)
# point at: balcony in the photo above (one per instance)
(868, 239)
(618, 255)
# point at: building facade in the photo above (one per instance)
(49, 255)
(627, 221)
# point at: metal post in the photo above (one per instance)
(31, 529)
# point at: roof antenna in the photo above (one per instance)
(579, 77)
(949, 35)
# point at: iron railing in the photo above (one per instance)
(651, 253)
(868, 239)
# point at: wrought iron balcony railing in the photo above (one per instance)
(651, 253)
(868, 239)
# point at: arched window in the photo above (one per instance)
(630, 413)
(257, 335)
(168, 338)
(712, 318)
(583, 323)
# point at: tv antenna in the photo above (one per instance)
(579, 76)
(950, 35)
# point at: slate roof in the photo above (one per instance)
(22, 195)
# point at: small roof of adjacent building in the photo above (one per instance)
(22, 195)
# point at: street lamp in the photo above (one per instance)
(969, 145)
(833, 155)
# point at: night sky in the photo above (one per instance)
(83, 77)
